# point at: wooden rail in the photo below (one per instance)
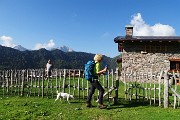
(32, 82)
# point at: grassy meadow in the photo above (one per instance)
(37, 108)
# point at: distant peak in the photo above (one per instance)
(65, 48)
(20, 48)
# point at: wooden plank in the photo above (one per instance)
(166, 87)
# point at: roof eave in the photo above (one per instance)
(147, 39)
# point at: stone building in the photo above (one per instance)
(148, 53)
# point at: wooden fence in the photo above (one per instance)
(171, 88)
(32, 82)
(144, 86)
(157, 88)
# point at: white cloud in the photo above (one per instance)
(7, 41)
(140, 28)
(48, 45)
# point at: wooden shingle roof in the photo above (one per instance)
(120, 39)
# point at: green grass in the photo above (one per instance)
(34, 108)
(37, 108)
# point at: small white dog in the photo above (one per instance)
(64, 95)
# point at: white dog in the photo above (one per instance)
(63, 95)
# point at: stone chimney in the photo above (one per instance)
(129, 31)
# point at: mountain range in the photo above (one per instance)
(62, 48)
(11, 58)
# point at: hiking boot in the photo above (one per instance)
(88, 105)
(102, 106)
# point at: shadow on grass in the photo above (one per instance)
(122, 103)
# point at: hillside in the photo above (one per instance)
(15, 59)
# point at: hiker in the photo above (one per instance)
(94, 83)
(48, 68)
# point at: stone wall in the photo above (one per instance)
(136, 64)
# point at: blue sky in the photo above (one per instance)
(84, 25)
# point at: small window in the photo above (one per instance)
(174, 64)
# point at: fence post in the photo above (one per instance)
(166, 86)
(11, 77)
(159, 82)
(4, 82)
(42, 83)
(22, 83)
(79, 84)
(64, 80)
(117, 85)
